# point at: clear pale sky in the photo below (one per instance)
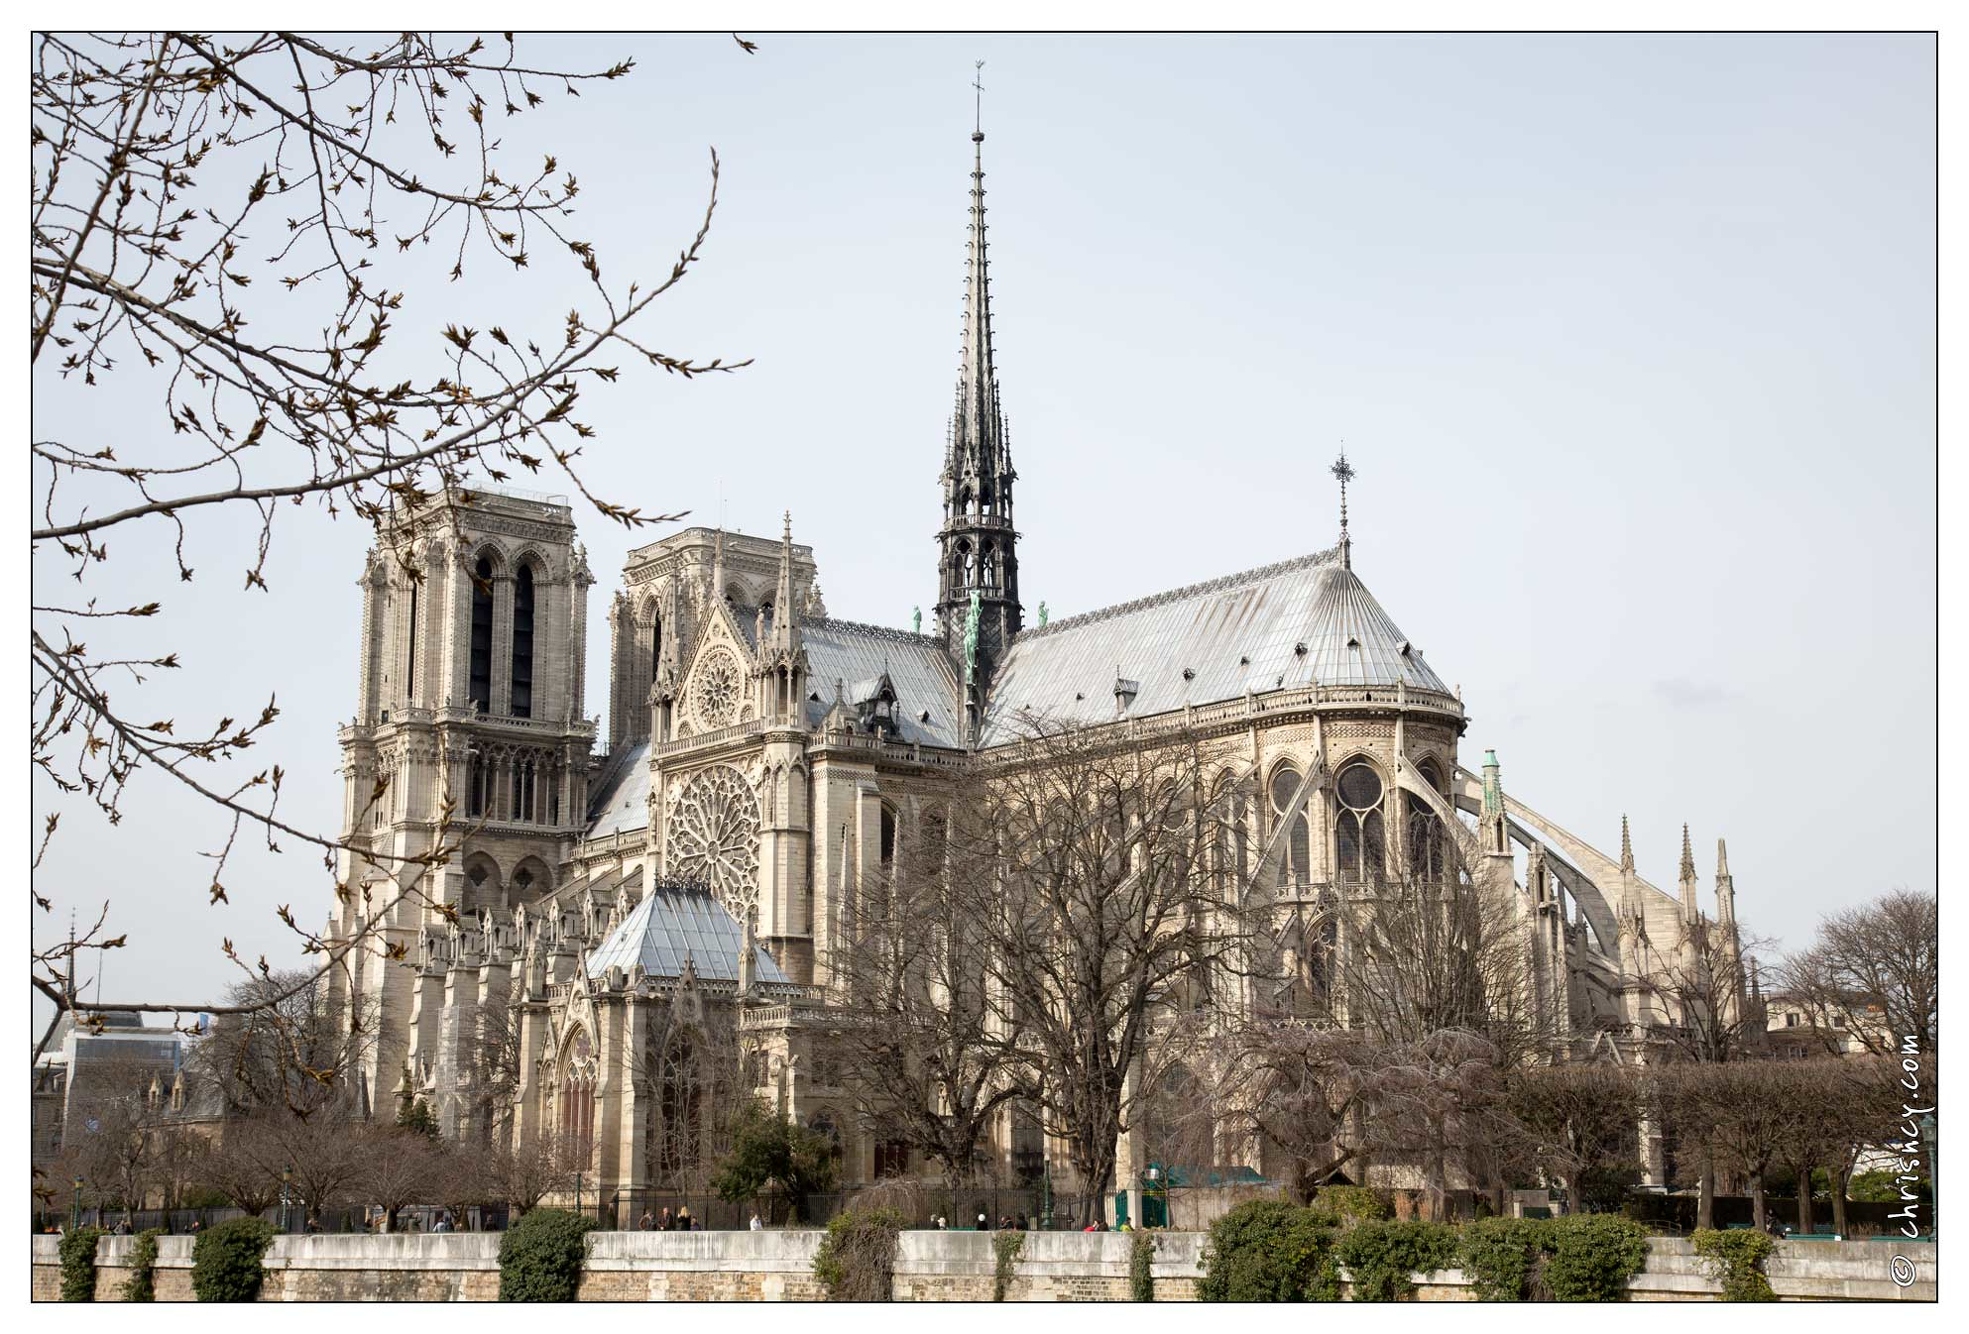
(1631, 340)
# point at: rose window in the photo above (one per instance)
(717, 690)
(714, 837)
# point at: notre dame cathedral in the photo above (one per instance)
(762, 758)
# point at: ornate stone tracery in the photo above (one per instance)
(714, 837)
(715, 693)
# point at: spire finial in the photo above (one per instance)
(1722, 861)
(1344, 471)
(977, 107)
(1688, 856)
(1626, 846)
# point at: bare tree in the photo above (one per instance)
(535, 1166)
(1106, 921)
(278, 1045)
(1427, 955)
(928, 1058)
(398, 1167)
(229, 231)
(245, 1165)
(1876, 971)
(688, 1071)
(1579, 1118)
(324, 1151)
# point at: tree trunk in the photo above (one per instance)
(1839, 1177)
(1805, 1201)
(1757, 1216)
(1706, 1194)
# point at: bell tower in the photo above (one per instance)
(468, 706)
(977, 547)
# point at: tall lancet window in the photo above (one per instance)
(480, 688)
(410, 668)
(1295, 868)
(1358, 837)
(523, 643)
(655, 643)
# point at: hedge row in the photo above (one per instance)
(1269, 1251)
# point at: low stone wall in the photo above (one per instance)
(930, 1267)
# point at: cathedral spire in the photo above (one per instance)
(786, 614)
(1626, 848)
(977, 545)
(1691, 912)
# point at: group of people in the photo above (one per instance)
(681, 1221)
(1006, 1223)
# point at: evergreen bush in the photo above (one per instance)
(1504, 1258)
(79, 1264)
(1347, 1205)
(540, 1256)
(1593, 1256)
(1737, 1258)
(856, 1261)
(1383, 1256)
(226, 1260)
(141, 1285)
(1270, 1251)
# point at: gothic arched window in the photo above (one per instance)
(1425, 833)
(480, 688)
(1295, 868)
(655, 643)
(1359, 839)
(888, 838)
(523, 643)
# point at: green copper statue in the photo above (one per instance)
(1042, 613)
(971, 637)
(916, 620)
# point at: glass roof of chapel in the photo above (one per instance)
(674, 923)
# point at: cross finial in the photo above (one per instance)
(977, 107)
(1344, 472)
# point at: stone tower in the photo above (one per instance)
(977, 545)
(470, 692)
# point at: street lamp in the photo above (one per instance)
(577, 1192)
(286, 1179)
(75, 1220)
(1046, 1194)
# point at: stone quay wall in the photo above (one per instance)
(930, 1267)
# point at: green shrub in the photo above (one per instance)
(1270, 1251)
(1007, 1245)
(1141, 1267)
(225, 1260)
(79, 1264)
(1737, 1257)
(1347, 1205)
(1503, 1258)
(540, 1256)
(856, 1261)
(1593, 1256)
(141, 1285)
(1383, 1257)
